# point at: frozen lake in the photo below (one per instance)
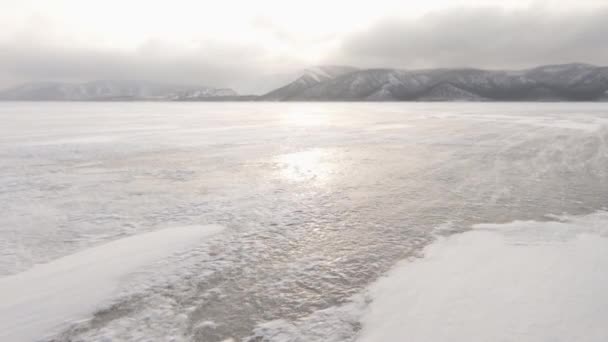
(316, 202)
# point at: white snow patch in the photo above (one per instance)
(48, 297)
(522, 281)
(318, 73)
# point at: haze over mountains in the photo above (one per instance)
(568, 82)
(110, 90)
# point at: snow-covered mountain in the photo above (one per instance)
(202, 93)
(310, 78)
(569, 82)
(110, 90)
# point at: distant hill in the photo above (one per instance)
(111, 91)
(310, 78)
(569, 82)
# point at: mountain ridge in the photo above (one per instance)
(310, 77)
(111, 90)
(560, 82)
(565, 82)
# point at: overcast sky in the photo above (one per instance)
(248, 44)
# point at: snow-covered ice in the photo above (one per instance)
(50, 296)
(319, 200)
(522, 281)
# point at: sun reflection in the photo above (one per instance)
(306, 166)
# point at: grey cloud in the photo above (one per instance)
(267, 24)
(475, 37)
(211, 64)
(486, 37)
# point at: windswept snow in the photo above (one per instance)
(321, 199)
(48, 297)
(523, 281)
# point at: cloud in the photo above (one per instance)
(240, 66)
(266, 55)
(480, 37)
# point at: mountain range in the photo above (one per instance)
(566, 82)
(111, 91)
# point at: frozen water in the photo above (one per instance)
(36, 302)
(318, 200)
(522, 281)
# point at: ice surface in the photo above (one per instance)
(523, 281)
(49, 296)
(319, 200)
(335, 324)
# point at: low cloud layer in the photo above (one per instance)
(208, 64)
(464, 37)
(490, 38)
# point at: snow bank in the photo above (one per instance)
(46, 298)
(523, 281)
